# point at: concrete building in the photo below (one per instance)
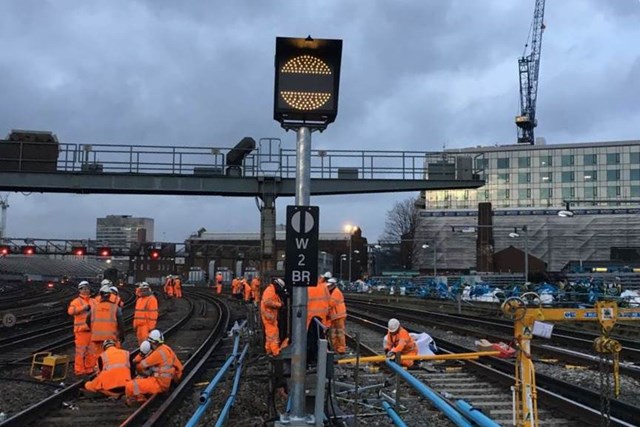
(122, 231)
(528, 185)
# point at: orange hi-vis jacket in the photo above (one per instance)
(247, 290)
(119, 301)
(337, 307)
(255, 288)
(219, 279)
(270, 305)
(115, 370)
(177, 287)
(318, 303)
(164, 364)
(104, 321)
(401, 342)
(235, 286)
(146, 312)
(78, 309)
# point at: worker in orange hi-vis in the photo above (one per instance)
(168, 286)
(337, 317)
(116, 293)
(272, 300)
(157, 371)
(318, 301)
(79, 308)
(236, 288)
(146, 314)
(177, 286)
(255, 289)
(114, 371)
(219, 280)
(105, 322)
(398, 340)
(246, 290)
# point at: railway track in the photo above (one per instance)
(206, 322)
(567, 397)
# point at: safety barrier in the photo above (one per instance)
(205, 396)
(450, 412)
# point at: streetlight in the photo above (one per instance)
(435, 257)
(343, 258)
(351, 229)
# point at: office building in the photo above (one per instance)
(122, 231)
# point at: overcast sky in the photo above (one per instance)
(416, 75)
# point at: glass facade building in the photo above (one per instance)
(121, 231)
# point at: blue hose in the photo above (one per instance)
(475, 414)
(393, 415)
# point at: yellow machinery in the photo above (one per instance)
(525, 317)
(48, 366)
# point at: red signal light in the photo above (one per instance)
(28, 250)
(154, 254)
(4, 250)
(79, 250)
(104, 251)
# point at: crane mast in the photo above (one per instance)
(529, 67)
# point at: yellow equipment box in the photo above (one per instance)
(48, 366)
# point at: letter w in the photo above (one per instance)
(302, 243)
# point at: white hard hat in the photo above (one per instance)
(394, 325)
(155, 337)
(327, 275)
(279, 282)
(114, 289)
(333, 282)
(105, 289)
(106, 282)
(144, 285)
(83, 284)
(145, 347)
(108, 343)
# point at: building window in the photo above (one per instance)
(524, 178)
(503, 163)
(590, 175)
(613, 158)
(613, 191)
(591, 192)
(546, 177)
(503, 194)
(635, 158)
(590, 159)
(524, 162)
(546, 161)
(635, 191)
(503, 178)
(613, 175)
(481, 163)
(635, 175)
(567, 160)
(546, 193)
(568, 193)
(524, 194)
(568, 176)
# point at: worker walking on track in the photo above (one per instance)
(177, 286)
(247, 291)
(105, 321)
(163, 366)
(255, 289)
(272, 300)
(79, 308)
(114, 371)
(146, 314)
(317, 307)
(397, 341)
(337, 317)
(219, 280)
(168, 286)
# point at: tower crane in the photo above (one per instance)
(529, 67)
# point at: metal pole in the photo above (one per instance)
(526, 253)
(350, 257)
(318, 411)
(299, 300)
(435, 260)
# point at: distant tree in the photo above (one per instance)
(400, 227)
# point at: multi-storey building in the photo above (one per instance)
(122, 231)
(528, 185)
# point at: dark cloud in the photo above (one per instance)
(417, 75)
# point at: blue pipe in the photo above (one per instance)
(393, 415)
(232, 397)
(475, 414)
(425, 391)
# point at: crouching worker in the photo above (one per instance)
(397, 341)
(114, 371)
(156, 371)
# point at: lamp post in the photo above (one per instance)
(435, 257)
(343, 258)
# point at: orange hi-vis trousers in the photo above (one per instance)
(85, 360)
(139, 387)
(142, 333)
(337, 335)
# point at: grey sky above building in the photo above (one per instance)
(416, 75)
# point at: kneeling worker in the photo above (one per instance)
(164, 365)
(397, 341)
(114, 371)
